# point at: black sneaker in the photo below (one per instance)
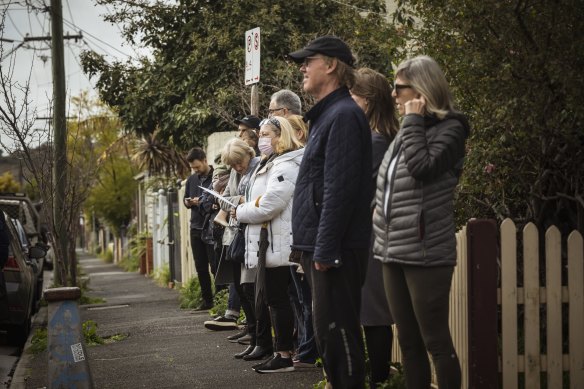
(276, 365)
(235, 337)
(221, 323)
(204, 306)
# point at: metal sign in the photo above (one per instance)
(252, 56)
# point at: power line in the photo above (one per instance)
(70, 13)
(72, 25)
(76, 60)
(98, 46)
(120, 30)
(14, 24)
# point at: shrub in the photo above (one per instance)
(190, 294)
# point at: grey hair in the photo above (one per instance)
(287, 99)
(425, 75)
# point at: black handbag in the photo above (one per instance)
(236, 250)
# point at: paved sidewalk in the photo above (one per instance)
(166, 347)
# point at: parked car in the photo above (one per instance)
(18, 306)
(37, 263)
(19, 206)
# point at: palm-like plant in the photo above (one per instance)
(159, 158)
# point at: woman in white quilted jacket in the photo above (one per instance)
(268, 205)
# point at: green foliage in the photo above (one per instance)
(130, 263)
(83, 285)
(515, 70)
(8, 183)
(219, 303)
(90, 334)
(162, 275)
(107, 255)
(38, 342)
(396, 380)
(111, 199)
(192, 85)
(190, 294)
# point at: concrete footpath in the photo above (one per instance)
(166, 347)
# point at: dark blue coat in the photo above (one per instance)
(331, 210)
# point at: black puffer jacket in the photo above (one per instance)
(414, 225)
(333, 190)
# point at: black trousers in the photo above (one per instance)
(336, 299)
(204, 255)
(259, 330)
(277, 282)
(418, 298)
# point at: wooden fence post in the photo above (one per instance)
(482, 304)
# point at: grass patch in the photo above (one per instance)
(107, 255)
(38, 342)
(130, 263)
(90, 334)
(397, 380)
(162, 276)
(92, 338)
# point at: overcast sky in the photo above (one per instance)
(33, 60)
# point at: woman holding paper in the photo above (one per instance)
(267, 210)
(241, 158)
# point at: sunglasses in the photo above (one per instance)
(397, 87)
(272, 121)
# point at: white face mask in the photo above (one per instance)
(265, 146)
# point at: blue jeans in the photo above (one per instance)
(307, 351)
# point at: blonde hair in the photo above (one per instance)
(235, 151)
(425, 75)
(288, 140)
(299, 126)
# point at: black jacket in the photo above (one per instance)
(414, 221)
(333, 190)
(198, 213)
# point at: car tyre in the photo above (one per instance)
(19, 333)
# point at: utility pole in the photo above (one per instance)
(60, 142)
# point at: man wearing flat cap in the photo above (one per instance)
(331, 220)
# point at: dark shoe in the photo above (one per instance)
(303, 365)
(204, 307)
(246, 339)
(221, 323)
(258, 365)
(276, 365)
(245, 352)
(258, 353)
(235, 337)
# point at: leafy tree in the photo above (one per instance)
(110, 185)
(192, 85)
(113, 196)
(516, 69)
(8, 183)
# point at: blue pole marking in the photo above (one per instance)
(68, 365)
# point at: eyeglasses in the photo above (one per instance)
(308, 60)
(271, 111)
(397, 87)
(272, 121)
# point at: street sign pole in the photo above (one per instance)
(252, 66)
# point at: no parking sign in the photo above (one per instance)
(252, 56)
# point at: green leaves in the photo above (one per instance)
(510, 65)
(193, 83)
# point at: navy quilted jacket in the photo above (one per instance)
(333, 190)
